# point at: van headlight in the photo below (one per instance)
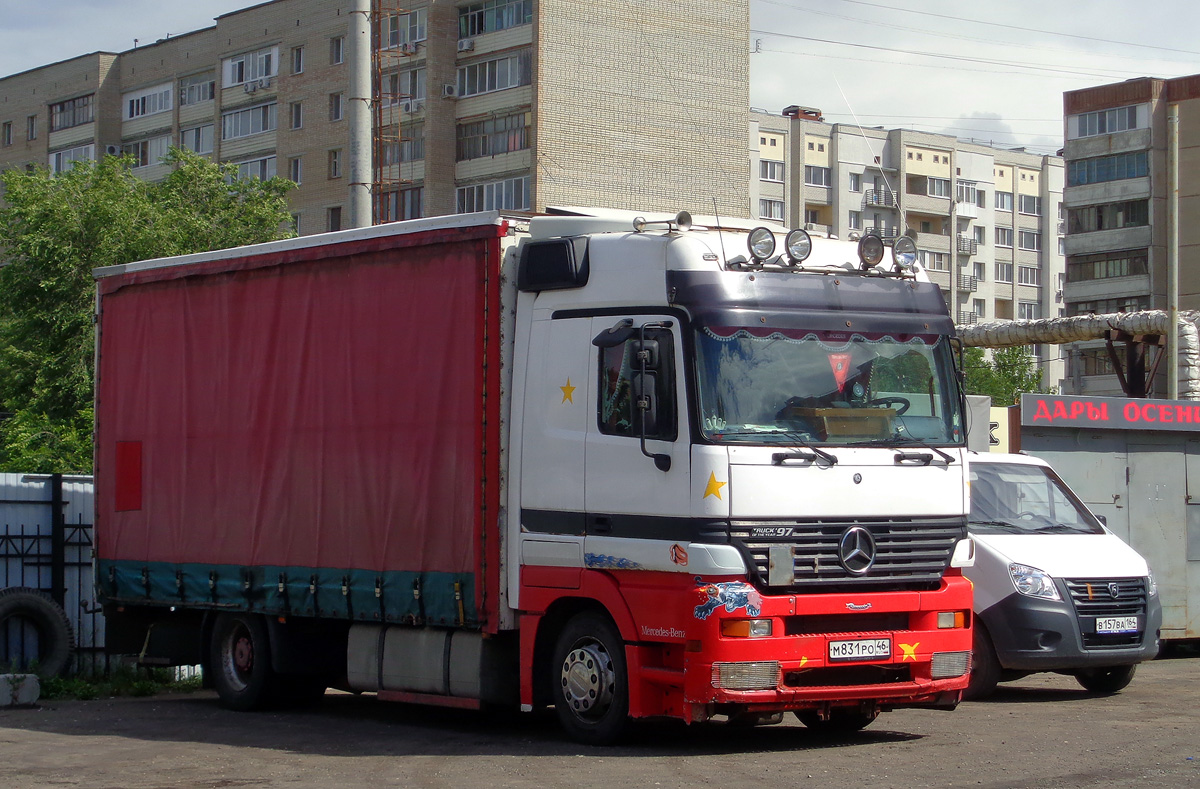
(1151, 586)
(1033, 582)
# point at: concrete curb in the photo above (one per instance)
(19, 690)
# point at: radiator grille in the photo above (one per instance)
(1094, 597)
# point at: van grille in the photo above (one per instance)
(1093, 597)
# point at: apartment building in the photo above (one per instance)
(1118, 159)
(988, 221)
(477, 104)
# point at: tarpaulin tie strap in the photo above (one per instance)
(146, 581)
(179, 584)
(458, 598)
(212, 585)
(349, 599)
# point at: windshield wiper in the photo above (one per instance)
(996, 524)
(896, 438)
(780, 457)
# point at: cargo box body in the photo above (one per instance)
(305, 428)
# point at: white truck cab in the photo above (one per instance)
(1055, 590)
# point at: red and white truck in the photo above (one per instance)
(630, 469)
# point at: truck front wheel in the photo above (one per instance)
(588, 680)
(240, 659)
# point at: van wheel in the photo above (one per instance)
(1105, 680)
(985, 666)
(240, 657)
(588, 680)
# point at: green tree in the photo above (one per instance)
(1010, 372)
(54, 229)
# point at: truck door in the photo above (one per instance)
(636, 510)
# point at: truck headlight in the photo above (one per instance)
(1033, 582)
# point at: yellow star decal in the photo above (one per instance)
(803, 660)
(568, 392)
(713, 488)
(910, 651)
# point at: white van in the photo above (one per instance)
(1054, 589)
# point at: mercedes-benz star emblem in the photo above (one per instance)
(856, 550)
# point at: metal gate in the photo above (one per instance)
(46, 544)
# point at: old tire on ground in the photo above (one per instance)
(240, 661)
(1109, 679)
(588, 679)
(55, 640)
(985, 666)
(841, 722)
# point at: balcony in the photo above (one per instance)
(966, 318)
(879, 197)
(968, 283)
(967, 246)
(886, 233)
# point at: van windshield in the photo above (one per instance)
(1018, 499)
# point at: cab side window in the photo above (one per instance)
(622, 385)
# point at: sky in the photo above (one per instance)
(992, 72)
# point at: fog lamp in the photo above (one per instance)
(904, 253)
(870, 250)
(761, 243)
(757, 675)
(798, 245)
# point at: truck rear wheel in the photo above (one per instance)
(240, 659)
(588, 680)
(1105, 680)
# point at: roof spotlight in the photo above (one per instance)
(798, 245)
(870, 251)
(904, 253)
(761, 243)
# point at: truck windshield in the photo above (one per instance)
(769, 386)
(1008, 498)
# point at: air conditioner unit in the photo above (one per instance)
(809, 226)
(265, 82)
(466, 44)
(112, 150)
(411, 49)
(250, 87)
(407, 105)
(449, 91)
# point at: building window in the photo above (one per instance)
(1102, 169)
(6, 137)
(1029, 240)
(198, 139)
(770, 209)
(1004, 201)
(244, 123)
(855, 220)
(404, 204)
(980, 270)
(297, 60)
(334, 218)
(979, 307)
(774, 142)
(934, 261)
(1121, 119)
(855, 182)
(148, 152)
(1106, 265)
(938, 187)
(1004, 272)
(1028, 204)
(262, 168)
(1028, 310)
(1029, 275)
(296, 114)
(197, 88)
(509, 194)
(1004, 238)
(251, 66)
(336, 108)
(406, 88)
(61, 161)
(497, 74)
(493, 136)
(147, 102)
(409, 149)
(296, 224)
(296, 169)
(1112, 216)
(811, 145)
(816, 176)
(337, 54)
(770, 171)
(478, 18)
(75, 112)
(1102, 306)
(405, 29)
(967, 192)
(980, 234)
(335, 163)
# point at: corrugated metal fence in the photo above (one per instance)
(46, 544)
